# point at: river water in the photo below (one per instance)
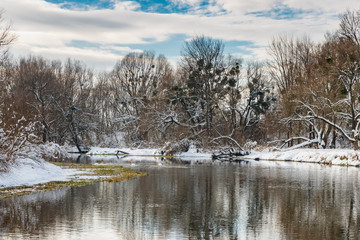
(246, 200)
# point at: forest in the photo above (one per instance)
(306, 95)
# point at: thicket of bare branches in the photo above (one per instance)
(319, 87)
(307, 95)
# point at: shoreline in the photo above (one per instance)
(338, 157)
(27, 173)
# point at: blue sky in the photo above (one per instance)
(101, 32)
(158, 6)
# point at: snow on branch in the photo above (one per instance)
(303, 144)
(172, 118)
(306, 142)
(329, 122)
(228, 137)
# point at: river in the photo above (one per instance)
(244, 200)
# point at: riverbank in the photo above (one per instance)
(28, 176)
(30, 168)
(342, 157)
(143, 154)
(29, 172)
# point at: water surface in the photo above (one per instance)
(246, 200)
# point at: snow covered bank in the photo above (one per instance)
(346, 157)
(327, 156)
(30, 168)
(129, 151)
(138, 154)
(193, 155)
(27, 172)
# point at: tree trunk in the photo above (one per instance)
(333, 142)
(356, 145)
(291, 143)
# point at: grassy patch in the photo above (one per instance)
(99, 173)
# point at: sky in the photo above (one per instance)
(99, 33)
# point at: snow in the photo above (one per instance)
(193, 154)
(30, 168)
(130, 151)
(143, 154)
(27, 172)
(329, 156)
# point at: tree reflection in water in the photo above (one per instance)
(256, 200)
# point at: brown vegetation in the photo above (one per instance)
(308, 95)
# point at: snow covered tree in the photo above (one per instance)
(203, 82)
(213, 97)
(137, 82)
(342, 88)
(291, 71)
(102, 104)
(323, 97)
(15, 130)
(258, 98)
(203, 61)
(73, 104)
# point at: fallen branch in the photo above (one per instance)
(229, 138)
(119, 152)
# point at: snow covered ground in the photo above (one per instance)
(30, 168)
(27, 172)
(129, 151)
(193, 155)
(346, 157)
(143, 154)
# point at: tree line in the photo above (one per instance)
(307, 95)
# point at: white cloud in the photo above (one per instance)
(186, 2)
(98, 59)
(126, 5)
(46, 29)
(121, 49)
(333, 6)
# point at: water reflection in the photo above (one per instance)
(258, 200)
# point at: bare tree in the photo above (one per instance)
(13, 131)
(290, 60)
(6, 36)
(138, 83)
(73, 103)
(350, 26)
(325, 97)
(36, 82)
(290, 69)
